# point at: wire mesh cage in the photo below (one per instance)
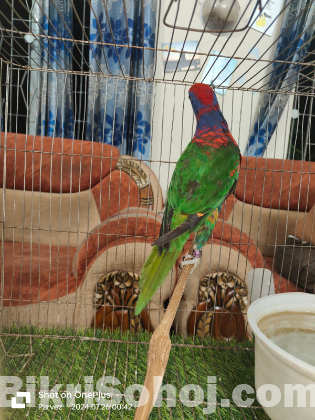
(94, 117)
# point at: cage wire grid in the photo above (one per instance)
(33, 351)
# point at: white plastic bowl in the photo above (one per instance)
(287, 319)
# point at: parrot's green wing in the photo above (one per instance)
(203, 178)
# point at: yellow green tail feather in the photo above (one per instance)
(154, 272)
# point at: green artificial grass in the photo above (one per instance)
(98, 354)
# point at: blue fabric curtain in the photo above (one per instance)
(119, 110)
(55, 105)
(283, 77)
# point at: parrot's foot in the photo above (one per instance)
(197, 253)
(191, 259)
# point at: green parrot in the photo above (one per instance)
(204, 176)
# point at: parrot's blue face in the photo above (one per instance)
(194, 103)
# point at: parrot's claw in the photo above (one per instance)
(191, 259)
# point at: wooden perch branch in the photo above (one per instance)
(159, 349)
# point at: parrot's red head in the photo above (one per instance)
(206, 107)
(203, 95)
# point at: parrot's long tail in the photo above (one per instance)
(154, 272)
